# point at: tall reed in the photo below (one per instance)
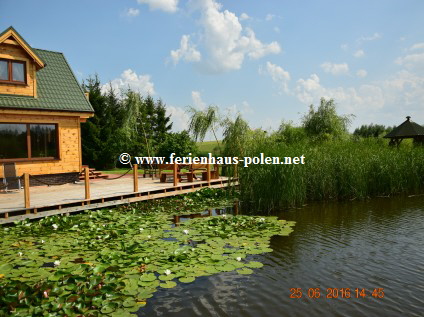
(336, 170)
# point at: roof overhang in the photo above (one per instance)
(11, 32)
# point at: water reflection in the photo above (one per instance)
(374, 244)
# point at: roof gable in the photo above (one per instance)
(10, 35)
(57, 88)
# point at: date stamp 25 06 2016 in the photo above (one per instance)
(334, 293)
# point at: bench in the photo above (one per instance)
(188, 175)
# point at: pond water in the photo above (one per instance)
(355, 245)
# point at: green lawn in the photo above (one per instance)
(207, 146)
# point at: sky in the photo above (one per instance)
(267, 60)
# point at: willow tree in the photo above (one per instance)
(236, 136)
(203, 121)
(324, 122)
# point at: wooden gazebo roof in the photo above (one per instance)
(407, 129)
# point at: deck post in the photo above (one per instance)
(26, 190)
(208, 174)
(135, 170)
(216, 171)
(175, 174)
(87, 183)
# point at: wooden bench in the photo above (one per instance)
(189, 176)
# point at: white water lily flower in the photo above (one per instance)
(55, 226)
(261, 219)
(110, 210)
(6, 229)
(42, 241)
(56, 263)
(75, 226)
(238, 258)
(141, 229)
(28, 224)
(20, 253)
(167, 272)
(224, 216)
(185, 231)
(149, 236)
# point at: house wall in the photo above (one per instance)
(69, 144)
(15, 52)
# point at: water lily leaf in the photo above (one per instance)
(254, 264)
(148, 277)
(167, 277)
(168, 284)
(187, 279)
(108, 308)
(245, 271)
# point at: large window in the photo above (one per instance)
(12, 71)
(28, 141)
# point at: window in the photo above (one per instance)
(28, 141)
(12, 71)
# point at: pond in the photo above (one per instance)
(355, 245)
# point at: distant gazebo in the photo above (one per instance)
(407, 129)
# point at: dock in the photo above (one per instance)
(43, 201)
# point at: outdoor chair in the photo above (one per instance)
(10, 180)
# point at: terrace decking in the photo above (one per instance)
(63, 199)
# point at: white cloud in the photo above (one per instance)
(269, 17)
(412, 62)
(224, 40)
(277, 29)
(373, 37)
(344, 47)
(362, 73)
(131, 12)
(234, 110)
(350, 99)
(401, 92)
(164, 5)
(278, 75)
(417, 46)
(179, 118)
(244, 16)
(130, 79)
(197, 100)
(187, 51)
(335, 69)
(359, 53)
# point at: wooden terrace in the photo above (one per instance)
(43, 201)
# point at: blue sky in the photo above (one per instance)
(268, 60)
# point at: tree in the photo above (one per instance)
(288, 133)
(163, 122)
(372, 130)
(203, 121)
(324, 123)
(236, 136)
(179, 143)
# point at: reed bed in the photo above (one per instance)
(336, 170)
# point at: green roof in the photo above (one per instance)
(57, 88)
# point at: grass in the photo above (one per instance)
(206, 147)
(345, 170)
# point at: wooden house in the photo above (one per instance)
(41, 108)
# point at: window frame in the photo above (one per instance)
(10, 70)
(28, 142)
